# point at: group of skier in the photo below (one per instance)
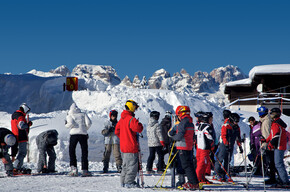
(176, 134)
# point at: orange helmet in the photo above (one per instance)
(182, 110)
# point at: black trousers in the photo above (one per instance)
(188, 166)
(73, 141)
(151, 158)
(270, 163)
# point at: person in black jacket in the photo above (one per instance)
(7, 140)
(165, 127)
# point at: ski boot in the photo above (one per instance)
(106, 167)
(149, 171)
(73, 172)
(86, 173)
(181, 180)
(189, 186)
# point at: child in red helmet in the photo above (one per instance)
(184, 143)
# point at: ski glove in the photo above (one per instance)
(162, 143)
(30, 123)
(241, 149)
(270, 147)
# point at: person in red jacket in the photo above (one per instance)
(127, 130)
(184, 142)
(277, 142)
(20, 128)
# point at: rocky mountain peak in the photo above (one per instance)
(62, 70)
(226, 74)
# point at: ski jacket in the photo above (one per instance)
(265, 128)
(165, 126)
(47, 138)
(154, 133)
(278, 135)
(251, 130)
(3, 146)
(205, 138)
(109, 132)
(19, 126)
(256, 135)
(236, 136)
(127, 129)
(226, 131)
(185, 134)
(77, 121)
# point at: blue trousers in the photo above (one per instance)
(279, 164)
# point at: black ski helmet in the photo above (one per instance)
(113, 113)
(155, 114)
(275, 112)
(199, 115)
(205, 117)
(234, 117)
(226, 113)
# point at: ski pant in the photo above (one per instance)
(279, 164)
(73, 141)
(9, 165)
(271, 163)
(187, 165)
(203, 162)
(22, 151)
(116, 153)
(43, 150)
(223, 157)
(151, 158)
(129, 168)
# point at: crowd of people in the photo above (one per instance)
(176, 135)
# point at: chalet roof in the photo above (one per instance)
(277, 69)
(242, 83)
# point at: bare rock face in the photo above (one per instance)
(226, 74)
(158, 76)
(126, 81)
(106, 74)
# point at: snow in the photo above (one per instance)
(242, 82)
(270, 70)
(49, 106)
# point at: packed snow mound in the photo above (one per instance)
(42, 94)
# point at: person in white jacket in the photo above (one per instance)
(78, 123)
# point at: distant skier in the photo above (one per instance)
(78, 123)
(45, 142)
(7, 140)
(184, 143)
(155, 143)
(205, 143)
(20, 128)
(111, 142)
(277, 142)
(127, 130)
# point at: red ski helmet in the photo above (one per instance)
(182, 110)
(113, 113)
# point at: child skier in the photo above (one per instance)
(184, 142)
(205, 143)
(127, 129)
(155, 143)
(111, 142)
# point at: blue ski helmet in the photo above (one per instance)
(262, 111)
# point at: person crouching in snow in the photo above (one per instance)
(205, 143)
(155, 143)
(78, 123)
(111, 142)
(184, 142)
(127, 130)
(45, 142)
(277, 142)
(7, 140)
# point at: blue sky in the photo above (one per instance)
(141, 36)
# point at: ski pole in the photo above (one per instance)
(254, 167)
(168, 163)
(163, 175)
(262, 165)
(223, 168)
(245, 154)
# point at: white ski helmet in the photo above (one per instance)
(10, 140)
(25, 107)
